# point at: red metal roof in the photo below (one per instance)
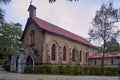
(55, 29)
(110, 54)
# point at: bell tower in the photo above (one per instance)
(32, 10)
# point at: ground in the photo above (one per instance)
(4, 75)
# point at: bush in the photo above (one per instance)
(68, 70)
(59, 69)
(71, 70)
(110, 71)
(1, 62)
(28, 69)
(7, 67)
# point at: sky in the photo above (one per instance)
(73, 16)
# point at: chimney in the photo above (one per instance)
(32, 11)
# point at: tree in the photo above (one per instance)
(1, 10)
(4, 1)
(51, 1)
(111, 46)
(9, 36)
(104, 28)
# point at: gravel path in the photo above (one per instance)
(16, 76)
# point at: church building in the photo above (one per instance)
(45, 43)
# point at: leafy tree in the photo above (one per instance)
(104, 28)
(9, 36)
(4, 1)
(111, 46)
(1, 10)
(51, 1)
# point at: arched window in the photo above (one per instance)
(73, 55)
(31, 37)
(53, 51)
(80, 55)
(64, 53)
(87, 57)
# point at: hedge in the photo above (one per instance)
(7, 67)
(71, 70)
(1, 62)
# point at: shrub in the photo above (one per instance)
(59, 69)
(28, 69)
(7, 67)
(95, 71)
(75, 70)
(110, 71)
(1, 62)
(47, 69)
(71, 70)
(68, 70)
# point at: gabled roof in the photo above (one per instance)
(57, 30)
(106, 55)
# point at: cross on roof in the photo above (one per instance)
(31, 2)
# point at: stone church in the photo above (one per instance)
(45, 43)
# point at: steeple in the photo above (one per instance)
(32, 11)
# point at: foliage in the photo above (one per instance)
(9, 36)
(111, 46)
(28, 69)
(1, 62)
(7, 67)
(1, 10)
(104, 28)
(103, 23)
(4, 1)
(71, 70)
(51, 1)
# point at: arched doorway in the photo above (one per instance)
(29, 61)
(17, 63)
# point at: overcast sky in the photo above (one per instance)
(72, 16)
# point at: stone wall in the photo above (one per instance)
(61, 41)
(38, 41)
(43, 41)
(110, 61)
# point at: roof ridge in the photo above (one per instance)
(58, 30)
(62, 28)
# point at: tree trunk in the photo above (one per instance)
(102, 64)
(104, 48)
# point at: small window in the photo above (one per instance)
(31, 37)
